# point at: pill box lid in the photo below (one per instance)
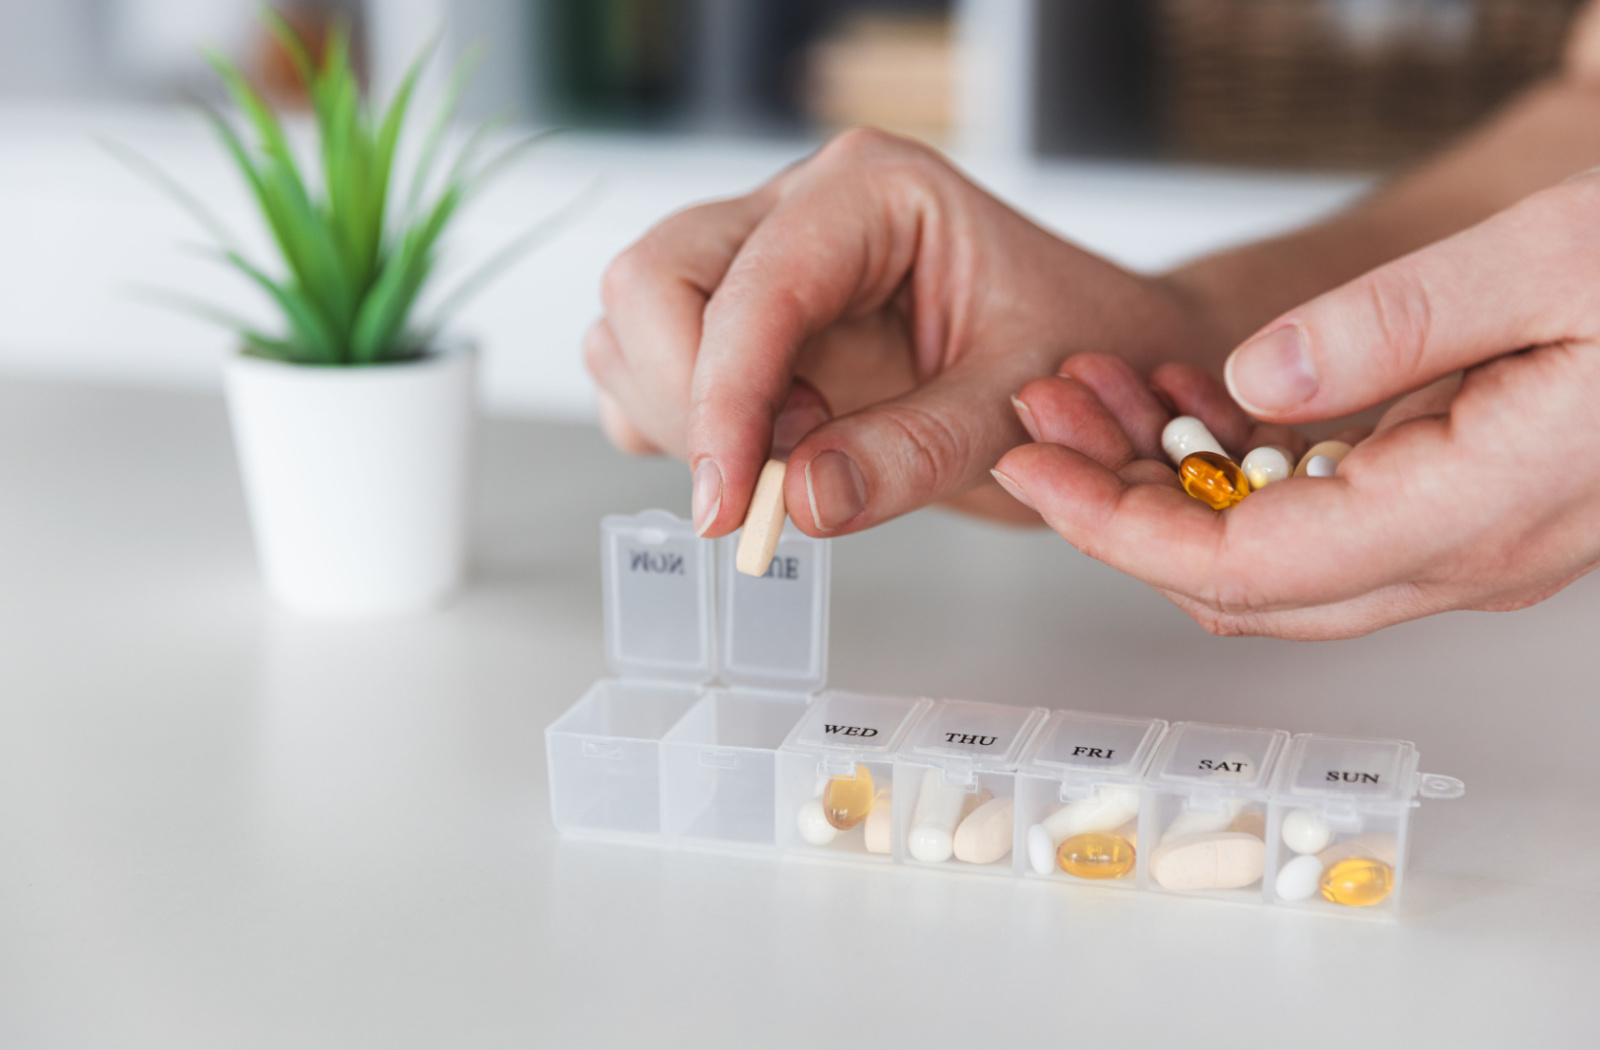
(1081, 745)
(1226, 760)
(773, 629)
(1347, 770)
(974, 735)
(856, 724)
(658, 598)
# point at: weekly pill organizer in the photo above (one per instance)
(718, 733)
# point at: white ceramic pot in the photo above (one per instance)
(356, 479)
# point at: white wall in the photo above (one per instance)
(78, 231)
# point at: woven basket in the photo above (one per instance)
(1342, 83)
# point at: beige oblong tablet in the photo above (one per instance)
(1224, 860)
(1334, 450)
(763, 524)
(880, 823)
(985, 835)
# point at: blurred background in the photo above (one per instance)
(1149, 130)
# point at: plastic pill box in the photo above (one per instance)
(717, 733)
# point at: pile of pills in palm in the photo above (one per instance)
(1209, 475)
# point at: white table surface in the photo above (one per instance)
(223, 827)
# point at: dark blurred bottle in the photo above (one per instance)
(618, 63)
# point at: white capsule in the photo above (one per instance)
(1262, 466)
(934, 821)
(1297, 880)
(1204, 821)
(1305, 832)
(814, 826)
(1186, 435)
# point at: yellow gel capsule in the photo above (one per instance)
(1357, 881)
(1214, 480)
(1095, 855)
(846, 801)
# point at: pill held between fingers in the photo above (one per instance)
(1186, 435)
(1267, 464)
(880, 823)
(933, 822)
(1299, 879)
(985, 835)
(1331, 450)
(763, 523)
(1223, 860)
(814, 826)
(1305, 832)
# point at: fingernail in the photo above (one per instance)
(707, 498)
(1026, 415)
(1272, 373)
(793, 424)
(1014, 489)
(835, 488)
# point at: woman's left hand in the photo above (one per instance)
(1479, 489)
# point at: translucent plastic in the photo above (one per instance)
(1342, 799)
(718, 769)
(775, 627)
(1203, 812)
(1079, 777)
(842, 735)
(658, 598)
(955, 779)
(604, 757)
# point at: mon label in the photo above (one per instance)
(656, 563)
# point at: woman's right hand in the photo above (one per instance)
(909, 305)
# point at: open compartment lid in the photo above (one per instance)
(1348, 770)
(1225, 759)
(979, 736)
(1082, 746)
(773, 629)
(657, 592)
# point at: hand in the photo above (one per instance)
(1478, 490)
(868, 312)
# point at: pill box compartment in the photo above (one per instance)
(1203, 812)
(955, 786)
(654, 749)
(1339, 823)
(1079, 785)
(833, 772)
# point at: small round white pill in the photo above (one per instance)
(1305, 832)
(1186, 435)
(1262, 466)
(1321, 467)
(1297, 880)
(814, 826)
(930, 845)
(1041, 850)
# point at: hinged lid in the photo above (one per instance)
(979, 736)
(868, 726)
(774, 628)
(1217, 759)
(1348, 769)
(1089, 746)
(657, 591)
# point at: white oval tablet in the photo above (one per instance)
(1297, 880)
(814, 826)
(1305, 832)
(1041, 850)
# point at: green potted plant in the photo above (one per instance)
(353, 424)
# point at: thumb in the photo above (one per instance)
(1526, 277)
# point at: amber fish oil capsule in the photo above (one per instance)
(1357, 882)
(846, 801)
(1096, 855)
(1213, 480)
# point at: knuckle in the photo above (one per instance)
(624, 276)
(935, 452)
(599, 352)
(1400, 306)
(868, 147)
